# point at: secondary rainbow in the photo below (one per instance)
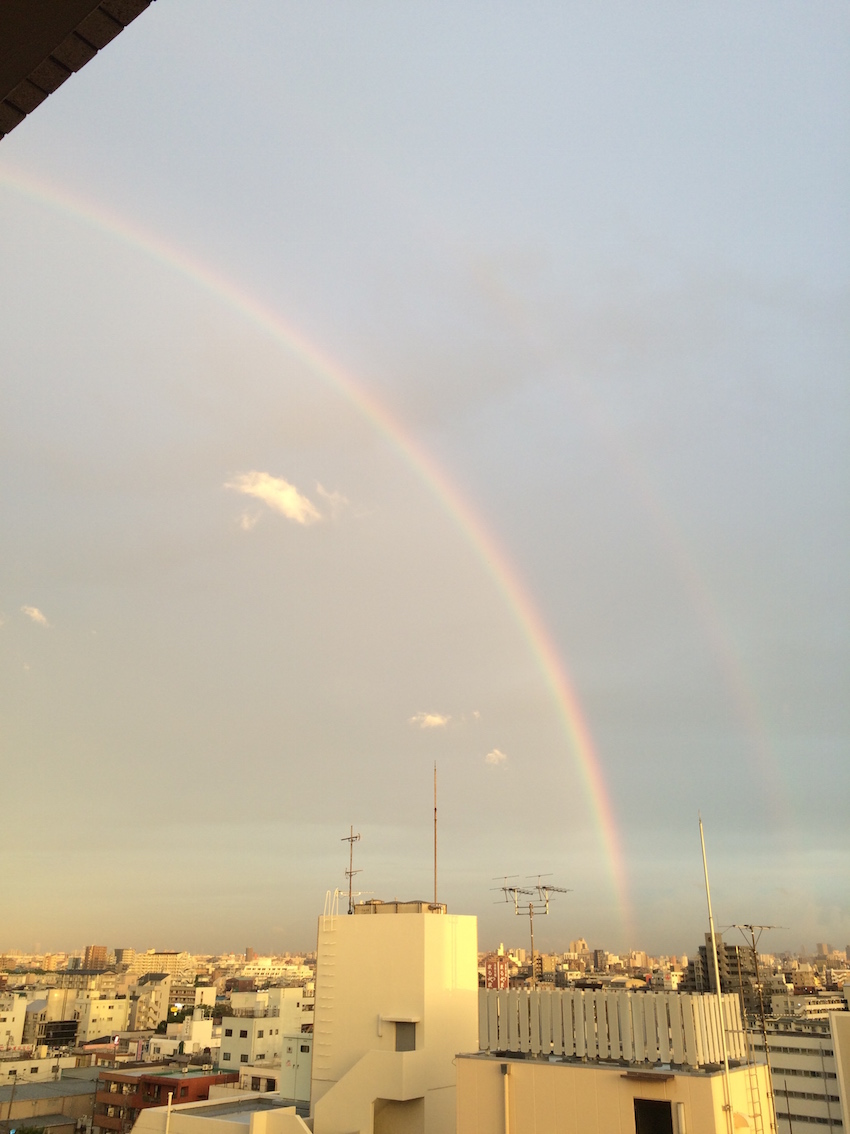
(487, 548)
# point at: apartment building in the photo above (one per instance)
(149, 1002)
(175, 964)
(122, 1095)
(810, 1065)
(13, 1011)
(103, 1017)
(254, 1032)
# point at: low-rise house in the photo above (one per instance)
(55, 1106)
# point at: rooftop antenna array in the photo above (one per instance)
(531, 899)
(755, 932)
(351, 839)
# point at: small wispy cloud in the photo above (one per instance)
(35, 614)
(429, 720)
(335, 500)
(277, 494)
(495, 757)
(249, 520)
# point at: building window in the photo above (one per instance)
(259, 1035)
(33, 1070)
(228, 1031)
(405, 1036)
(243, 1058)
(225, 1056)
(653, 1117)
(255, 1083)
(183, 1092)
(243, 1034)
(306, 1047)
(270, 1084)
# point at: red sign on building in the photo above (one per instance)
(496, 972)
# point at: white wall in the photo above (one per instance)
(13, 1010)
(375, 972)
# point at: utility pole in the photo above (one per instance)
(351, 839)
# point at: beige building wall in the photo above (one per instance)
(539, 1097)
(396, 999)
(202, 1117)
(98, 1018)
(13, 1011)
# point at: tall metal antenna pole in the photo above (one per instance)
(351, 839)
(727, 1106)
(754, 940)
(435, 832)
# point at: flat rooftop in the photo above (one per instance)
(152, 1071)
(61, 1089)
(376, 906)
(240, 1110)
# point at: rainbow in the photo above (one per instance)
(492, 556)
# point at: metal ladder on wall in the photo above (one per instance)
(326, 985)
(754, 1096)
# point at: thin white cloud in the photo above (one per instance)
(35, 614)
(429, 720)
(495, 757)
(277, 494)
(248, 521)
(336, 500)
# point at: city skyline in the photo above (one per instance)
(456, 390)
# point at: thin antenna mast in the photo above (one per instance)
(727, 1106)
(435, 832)
(351, 839)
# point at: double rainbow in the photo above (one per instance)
(492, 556)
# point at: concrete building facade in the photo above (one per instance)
(396, 999)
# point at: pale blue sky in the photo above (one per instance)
(594, 258)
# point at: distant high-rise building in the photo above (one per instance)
(125, 956)
(95, 957)
(250, 954)
(736, 966)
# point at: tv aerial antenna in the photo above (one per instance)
(755, 932)
(532, 899)
(351, 839)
